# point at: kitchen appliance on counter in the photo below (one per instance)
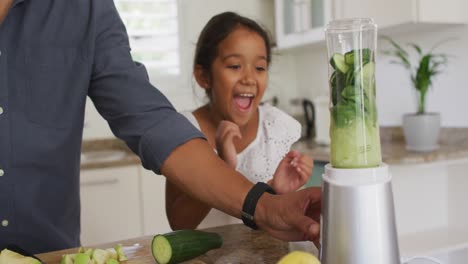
(322, 120)
(358, 216)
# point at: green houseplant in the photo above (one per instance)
(422, 128)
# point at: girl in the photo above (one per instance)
(231, 61)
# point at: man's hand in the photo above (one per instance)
(292, 172)
(225, 134)
(293, 216)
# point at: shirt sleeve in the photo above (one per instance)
(136, 111)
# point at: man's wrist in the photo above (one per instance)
(261, 213)
(251, 204)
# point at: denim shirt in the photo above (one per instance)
(53, 54)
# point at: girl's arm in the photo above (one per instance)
(183, 211)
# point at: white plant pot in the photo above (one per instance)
(421, 131)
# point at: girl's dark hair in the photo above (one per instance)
(217, 29)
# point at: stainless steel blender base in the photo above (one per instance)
(358, 219)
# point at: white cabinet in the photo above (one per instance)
(430, 199)
(120, 203)
(153, 203)
(300, 22)
(110, 204)
(404, 15)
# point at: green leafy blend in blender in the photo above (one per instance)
(354, 130)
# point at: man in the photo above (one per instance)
(52, 55)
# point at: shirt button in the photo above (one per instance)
(2, 172)
(5, 223)
(1, 110)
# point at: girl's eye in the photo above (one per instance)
(259, 68)
(235, 66)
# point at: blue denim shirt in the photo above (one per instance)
(53, 55)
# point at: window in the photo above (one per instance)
(152, 26)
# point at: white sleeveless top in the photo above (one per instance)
(276, 133)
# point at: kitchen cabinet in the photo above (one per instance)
(153, 203)
(402, 15)
(300, 22)
(429, 206)
(110, 204)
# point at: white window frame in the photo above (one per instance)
(167, 84)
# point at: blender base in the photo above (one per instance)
(358, 217)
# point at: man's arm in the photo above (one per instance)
(183, 211)
(198, 171)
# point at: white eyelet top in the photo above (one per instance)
(276, 133)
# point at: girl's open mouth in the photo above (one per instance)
(243, 101)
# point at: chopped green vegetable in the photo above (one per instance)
(11, 257)
(338, 63)
(354, 130)
(82, 258)
(95, 256)
(353, 57)
(68, 259)
(120, 255)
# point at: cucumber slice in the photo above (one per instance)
(353, 57)
(183, 245)
(338, 63)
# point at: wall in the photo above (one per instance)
(395, 96)
(184, 94)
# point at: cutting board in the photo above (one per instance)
(240, 245)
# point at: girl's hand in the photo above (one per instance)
(292, 172)
(225, 134)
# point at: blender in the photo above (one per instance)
(358, 219)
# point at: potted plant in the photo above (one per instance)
(421, 129)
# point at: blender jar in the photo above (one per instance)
(354, 129)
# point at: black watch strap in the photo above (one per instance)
(250, 203)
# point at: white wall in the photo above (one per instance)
(394, 92)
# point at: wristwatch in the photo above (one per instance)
(250, 203)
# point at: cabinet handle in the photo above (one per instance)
(101, 182)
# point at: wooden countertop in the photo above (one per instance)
(240, 245)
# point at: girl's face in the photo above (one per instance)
(238, 76)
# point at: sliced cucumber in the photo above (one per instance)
(353, 57)
(338, 63)
(183, 245)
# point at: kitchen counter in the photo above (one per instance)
(240, 245)
(453, 145)
(105, 153)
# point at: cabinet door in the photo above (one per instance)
(300, 22)
(110, 205)
(154, 203)
(383, 12)
(403, 12)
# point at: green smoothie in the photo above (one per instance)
(354, 130)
